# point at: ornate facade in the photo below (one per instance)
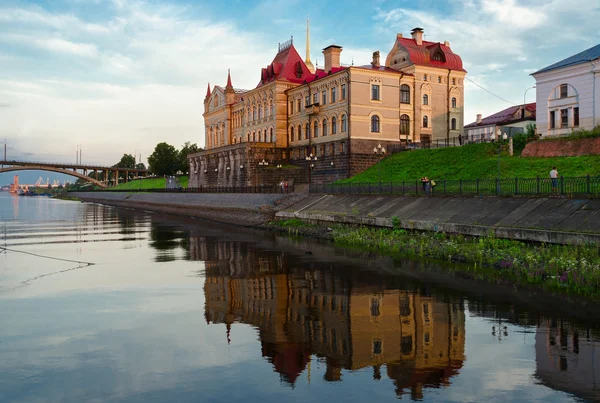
(336, 113)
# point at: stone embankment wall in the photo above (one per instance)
(554, 220)
(236, 208)
(562, 148)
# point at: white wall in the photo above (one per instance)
(584, 92)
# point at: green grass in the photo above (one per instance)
(471, 162)
(150, 183)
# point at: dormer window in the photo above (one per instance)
(438, 56)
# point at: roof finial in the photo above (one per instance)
(307, 61)
(229, 79)
(208, 91)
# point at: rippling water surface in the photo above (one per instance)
(106, 304)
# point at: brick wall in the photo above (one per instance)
(562, 148)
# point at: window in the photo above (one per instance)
(299, 132)
(315, 98)
(438, 57)
(292, 134)
(439, 79)
(564, 90)
(375, 92)
(333, 90)
(324, 127)
(425, 99)
(425, 121)
(375, 124)
(404, 125)
(564, 118)
(453, 125)
(343, 91)
(377, 346)
(291, 107)
(576, 116)
(272, 136)
(344, 123)
(333, 125)
(552, 119)
(342, 146)
(253, 113)
(375, 307)
(322, 150)
(454, 102)
(404, 306)
(307, 131)
(259, 112)
(404, 94)
(324, 98)
(316, 129)
(306, 101)
(427, 337)
(332, 152)
(454, 81)
(424, 77)
(406, 345)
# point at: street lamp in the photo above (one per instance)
(500, 136)
(380, 152)
(311, 159)
(524, 101)
(263, 163)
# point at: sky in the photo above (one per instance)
(118, 76)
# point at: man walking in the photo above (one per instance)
(554, 180)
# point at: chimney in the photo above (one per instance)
(417, 35)
(375, 62)
(332, 57)
(478, 118)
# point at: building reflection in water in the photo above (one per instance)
(345, 318)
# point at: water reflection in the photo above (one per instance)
(351, 322)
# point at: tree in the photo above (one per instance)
(163, 160)
(127, 161)
(187, 148)
(140, 165)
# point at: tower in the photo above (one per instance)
(229, 91)
(307, 61)
(206, 98)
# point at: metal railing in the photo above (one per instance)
(205, 189)
(582, 185)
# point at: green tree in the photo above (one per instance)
(163, 160)
(127, 161)
(188, 148)
(140, 165)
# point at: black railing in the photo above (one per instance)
(582, 185)
(205, 189)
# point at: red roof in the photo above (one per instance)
(422, 55)
(287, 65)
(506, 116)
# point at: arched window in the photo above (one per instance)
(254, 113)
(404, 94)
(333, 125)
(299, 132)
(265, 111)
(248, 138)
(375, 124)
(453, 124)
(254, 136)
(272, 136)
(344, 123)
(307, 131)
(404, 125)
(260, 112)
(292, 134)
(425, 121)
(316, 129)
(454, 102)
(324, 127)
(425, 99)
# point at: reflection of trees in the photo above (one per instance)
(166, 240)
(350, 319)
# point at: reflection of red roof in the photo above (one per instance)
(506, 116)
(422, 55)
(290, 362)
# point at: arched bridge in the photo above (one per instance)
(101, 177)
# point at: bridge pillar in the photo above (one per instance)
(126, 176)
(116, 177)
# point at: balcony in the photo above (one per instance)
(313, 109)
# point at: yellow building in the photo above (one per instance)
(336, 113)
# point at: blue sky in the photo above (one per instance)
(120, 76)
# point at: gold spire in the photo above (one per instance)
(307, 61)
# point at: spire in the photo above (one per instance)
(229, 79)
(228, 326)
(208, 91)
(307, 61)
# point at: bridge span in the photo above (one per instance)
(101, 173)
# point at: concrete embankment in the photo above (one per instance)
(249, 209)
(553, 220)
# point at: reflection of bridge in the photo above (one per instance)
(101, 173)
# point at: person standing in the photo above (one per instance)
(554, 180)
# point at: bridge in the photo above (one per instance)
(101, 173)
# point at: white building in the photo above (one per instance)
(568, 94)
(510, 121)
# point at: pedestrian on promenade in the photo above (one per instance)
(426, 185)
(554, 180)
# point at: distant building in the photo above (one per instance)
(510, 121)
(338, 113)
(568, 94)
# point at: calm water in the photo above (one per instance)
(105, 304)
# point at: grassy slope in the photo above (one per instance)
(471, 162)
(150, 183)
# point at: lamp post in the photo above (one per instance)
(524, 99)
(500, 136)
(311, 165)
(380, 152)
(261, 164)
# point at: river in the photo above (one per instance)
(106, 304)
